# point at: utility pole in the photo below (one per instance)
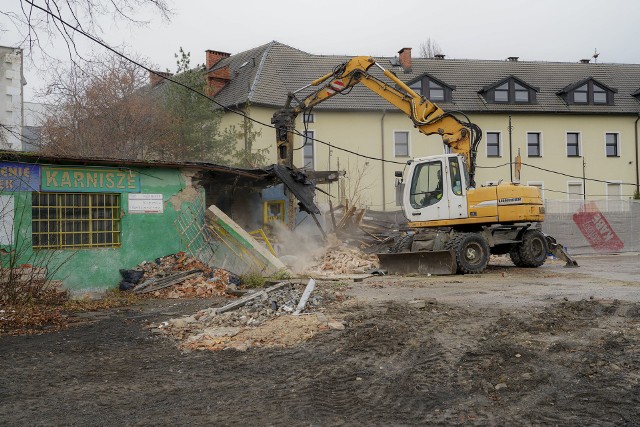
(510, 128)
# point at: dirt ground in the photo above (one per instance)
(546, 346)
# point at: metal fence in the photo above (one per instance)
(594, 227)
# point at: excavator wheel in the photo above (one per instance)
(402, 245)
(472, 252)
(533, 249)
(514, 254)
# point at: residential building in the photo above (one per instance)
(575, 125)
(11, 83)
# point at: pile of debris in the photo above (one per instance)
(176, 276)
(338, 258)
(262, 318)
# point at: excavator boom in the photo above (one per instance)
(457, 136)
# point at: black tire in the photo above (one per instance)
(472, 252)
(402, 245)
(514, 254)
(533, 249)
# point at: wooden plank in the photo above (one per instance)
(242, 301)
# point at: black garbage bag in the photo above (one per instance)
(131, 276)
(126, 286)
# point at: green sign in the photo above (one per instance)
(93, 180)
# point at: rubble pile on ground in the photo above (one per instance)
(176, 276)
(342, 259)
(210, 330)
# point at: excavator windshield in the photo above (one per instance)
(426, 184)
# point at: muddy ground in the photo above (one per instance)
(547, 346)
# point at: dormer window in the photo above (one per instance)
(432, 89)
(436, 91)
(588, 92)
(510, 91)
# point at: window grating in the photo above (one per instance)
(75, 220)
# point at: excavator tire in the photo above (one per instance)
(472, 252)
(402, 245)
(533, 249)
(514, 254)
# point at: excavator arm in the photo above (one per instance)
(458, 136)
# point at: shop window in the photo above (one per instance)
(75, 220)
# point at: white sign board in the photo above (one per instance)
(145, 203)
(6, 220)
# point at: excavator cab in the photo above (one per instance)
(436, 188)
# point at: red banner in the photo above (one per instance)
(596, 229)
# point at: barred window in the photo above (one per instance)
(75, 220)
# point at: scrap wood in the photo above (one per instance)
(242, 301)
(359, 216)
(347, 215)
(156, 284)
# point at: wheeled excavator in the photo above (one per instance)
(454, 225)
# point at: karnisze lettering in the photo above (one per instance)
(90, 180)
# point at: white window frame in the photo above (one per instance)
(618, 148)
(539, 132)
(581, 184)
(486, 144)
(395, 152)
(313, 148)
(539, 184)
(566, 143)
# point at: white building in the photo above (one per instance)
(11, 109)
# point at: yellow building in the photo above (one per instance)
(575, 125)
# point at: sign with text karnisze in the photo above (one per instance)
(19, 177)
(89, 180)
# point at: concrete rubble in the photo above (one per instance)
(260, 322)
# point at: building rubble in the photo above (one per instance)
(193, 279)
(261, 322)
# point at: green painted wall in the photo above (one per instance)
(144, 236)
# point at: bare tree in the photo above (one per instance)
(34, 20)
(430, 48)
(106, 109)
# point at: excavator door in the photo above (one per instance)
(436, 189)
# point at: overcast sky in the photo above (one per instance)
(542, 30)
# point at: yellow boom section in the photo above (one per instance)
(426, 116)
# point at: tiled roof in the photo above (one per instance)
(264, 75)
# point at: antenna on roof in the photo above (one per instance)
(595, 55)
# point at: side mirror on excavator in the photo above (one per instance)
(398, 174)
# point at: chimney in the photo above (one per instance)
(156, 77)
(213, 57)
(513, 58)
(585, 61)
(439, 56)
(218, 78)
(405, 58)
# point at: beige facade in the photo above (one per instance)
(374, 134)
